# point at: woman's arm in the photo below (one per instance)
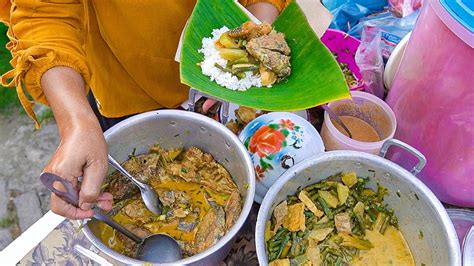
(264, 11)
(48, 60)
(82, 150)
(43, 34)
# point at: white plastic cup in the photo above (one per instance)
(364, 106)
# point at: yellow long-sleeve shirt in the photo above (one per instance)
(124, 49)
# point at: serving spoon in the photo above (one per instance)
(148, 194)
(157, 248)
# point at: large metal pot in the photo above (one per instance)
(177, 129)
(417, 208)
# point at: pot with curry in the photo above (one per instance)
(200, 200)
(198, 188)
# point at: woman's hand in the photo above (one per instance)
(265, 12)
(82, 150)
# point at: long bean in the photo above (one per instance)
(314, 197)
(294, 245)
(323, 225)
(326, 209)
(280, 232)
(384, 225)
(282, 245)
(361, 222)
(372, 215)
(339, 209)
(274, 244)
(308, 214)
(319, 185)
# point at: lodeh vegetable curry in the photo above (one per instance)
(200, 200)
(338, 221)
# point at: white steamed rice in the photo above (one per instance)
(225, 79)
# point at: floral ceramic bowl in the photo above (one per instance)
(277, 141)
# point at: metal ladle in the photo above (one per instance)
(336, 118)
(157, 248)
(148, 194)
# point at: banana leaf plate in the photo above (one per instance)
(315, 79)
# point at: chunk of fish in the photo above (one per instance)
(142, 167)
(232, 210)
(120, 187)
(273, 52)
(216, 177)
(130, 245)
(280, 213)
(186, 226)
(250, 30)
(167, 155)
(173, 196)
(342, 222)
(186, 170)
(274, 41)
(138, 211)
(210, 229)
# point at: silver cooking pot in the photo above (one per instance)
(417, 208)
(178, 129)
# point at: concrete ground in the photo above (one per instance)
(23, 153)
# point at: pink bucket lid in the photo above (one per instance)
(453, 23)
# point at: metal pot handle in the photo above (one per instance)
(193, 93)
(421, 158)
(468, 248)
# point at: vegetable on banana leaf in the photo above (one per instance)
(316, 77)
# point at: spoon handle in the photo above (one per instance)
(101, 216)
(336, 119)
(124, 172)
(71, 196)
(69, 193)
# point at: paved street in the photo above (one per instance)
(23, 153)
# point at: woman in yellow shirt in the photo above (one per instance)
(122, 49)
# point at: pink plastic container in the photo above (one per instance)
(367, 107)
(433, 99)
(344, 47)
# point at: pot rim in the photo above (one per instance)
(248, 201)
(451, 236)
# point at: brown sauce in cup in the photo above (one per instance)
(360, 130)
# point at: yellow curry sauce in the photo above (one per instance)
(194, 190)
(390, 248)
(195, 200)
